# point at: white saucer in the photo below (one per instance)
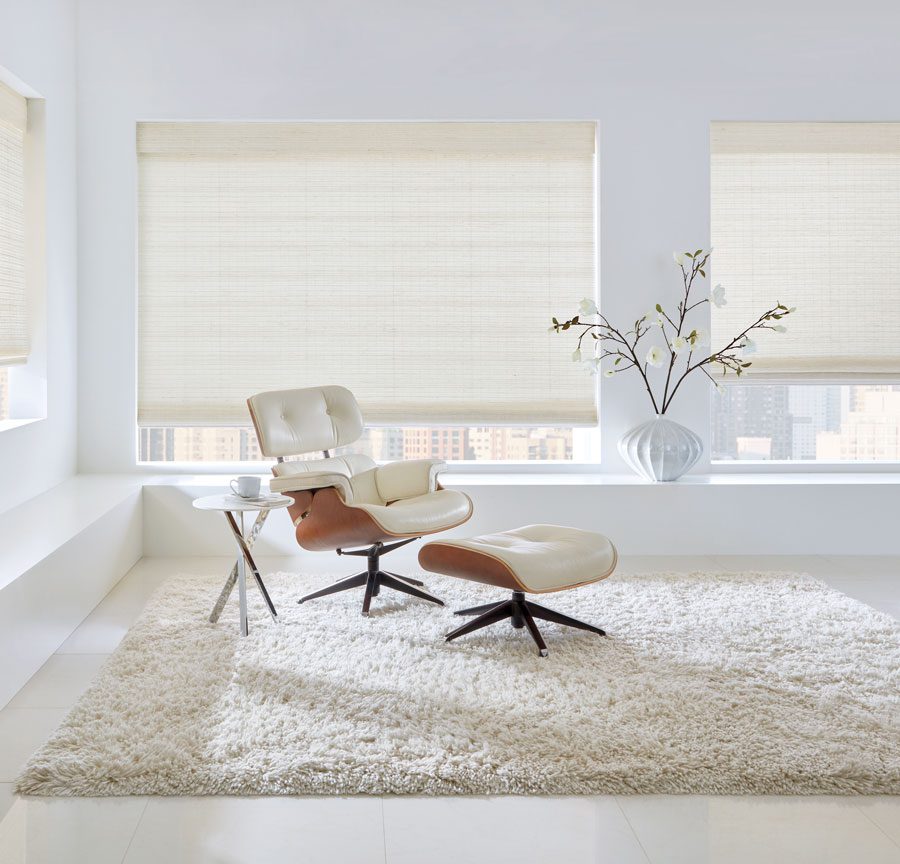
(259, 499)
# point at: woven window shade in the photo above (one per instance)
(808, 214)
(417, 264)
(14, 340)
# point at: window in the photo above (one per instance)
(4, 394)
(808, 214)
(830, 423)
(14, 332)
(478, 444)
(415, 263)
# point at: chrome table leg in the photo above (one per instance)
(224, 595)
(231, 581)
(248, 559)
(242, 589)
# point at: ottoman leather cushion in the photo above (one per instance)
(536, 558)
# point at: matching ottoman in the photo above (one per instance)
(535, 559)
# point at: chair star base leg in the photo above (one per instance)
(521, 614)
(374, 579)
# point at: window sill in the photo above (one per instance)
(462, 479)
(768, 466)
(806, 478)
(519, 473)
(6, 425)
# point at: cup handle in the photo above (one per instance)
(231, 484)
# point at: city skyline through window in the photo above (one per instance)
(456, 443)
(806, 422)
(752, 422)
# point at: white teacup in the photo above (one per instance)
(247, 487)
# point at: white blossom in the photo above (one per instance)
(655, 356)
(675, 345)
(588, 307)
(699, 337)
(654, 318)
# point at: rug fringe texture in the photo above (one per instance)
(708, 683)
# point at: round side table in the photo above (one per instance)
(231, 506)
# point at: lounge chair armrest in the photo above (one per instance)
(407, 479)
(310, 480)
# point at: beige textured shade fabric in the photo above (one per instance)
(14, 341)
(808, 214)
(417, 264)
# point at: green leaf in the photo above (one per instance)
(696, 253)
(555, 321)
(575, 320)
(566, 326)
(658, 308)
(702, 273)
(618, 361)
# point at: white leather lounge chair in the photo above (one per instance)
(349, 501)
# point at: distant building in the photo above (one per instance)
(754, 412)
(754, 448)
(491, 443)
(448, 442)
(550, 444)
(814, 409)
(208, 444)
(250, 451)
(199, 444)
(381, 443)
(869, 429)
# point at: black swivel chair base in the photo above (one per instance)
(374, 578)
(521, 613)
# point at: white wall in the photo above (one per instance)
(654, 73)
(768, 515)
(37, 46)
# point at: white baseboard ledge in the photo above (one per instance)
(735, 514)
(60, 554)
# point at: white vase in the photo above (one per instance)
(660, 449)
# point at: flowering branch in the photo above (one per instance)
(622, 347)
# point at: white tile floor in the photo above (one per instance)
(616, 829)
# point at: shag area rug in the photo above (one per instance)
(707, 683)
